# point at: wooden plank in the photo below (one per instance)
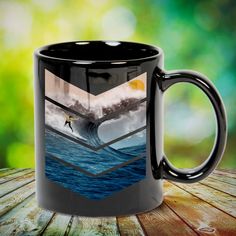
(93, 226)
(14, 175)
(28, 220)
(224, 187)
(16, 208)
(224, 179)
(57, 225)
(16, 183)
(161, 220)
(129, 226)
(233, 171)
(9, 172)
(12, 199)
(201, 216)
(223, 201)
(229, 174)
(5, 169)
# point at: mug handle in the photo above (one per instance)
(196, 174)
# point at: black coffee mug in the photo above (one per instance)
(99, 127)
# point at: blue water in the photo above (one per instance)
(94, 162)
(95, 187)
(65, 158)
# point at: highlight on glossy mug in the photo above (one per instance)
(99, 127)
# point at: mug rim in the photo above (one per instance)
(152, 52)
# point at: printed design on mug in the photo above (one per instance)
(95, 144)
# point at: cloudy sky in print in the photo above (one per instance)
(111, 129)
(67, 94)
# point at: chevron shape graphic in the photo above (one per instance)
(95, 144)
(134, 119)
(95, 162)
(95, 188)
(94, 106)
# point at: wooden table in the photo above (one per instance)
(205, 208)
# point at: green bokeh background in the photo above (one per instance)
(197, 35)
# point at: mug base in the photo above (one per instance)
(136, 199)
(108, 214)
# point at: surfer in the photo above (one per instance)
(68, 120)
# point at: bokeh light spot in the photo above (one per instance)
(16, 22)
(46, 5)
(119, 22)
(20, 155)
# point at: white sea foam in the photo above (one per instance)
(55, 118)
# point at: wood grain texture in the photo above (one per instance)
(28, 220)
(129, 226)
(163, 221)
(8, 171)
(14, 175)
(233, 171)
(224, 202)
(11, 200)
(218, 185)
(200, 215)
(230, 174)
(205, 208)
(16, 183)
(57, 225)
(223, 179)
(93, 226)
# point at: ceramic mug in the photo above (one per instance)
(99, 127)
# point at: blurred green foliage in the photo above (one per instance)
(198, 35)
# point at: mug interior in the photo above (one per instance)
(99, 51)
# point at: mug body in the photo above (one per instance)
(93, 136)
